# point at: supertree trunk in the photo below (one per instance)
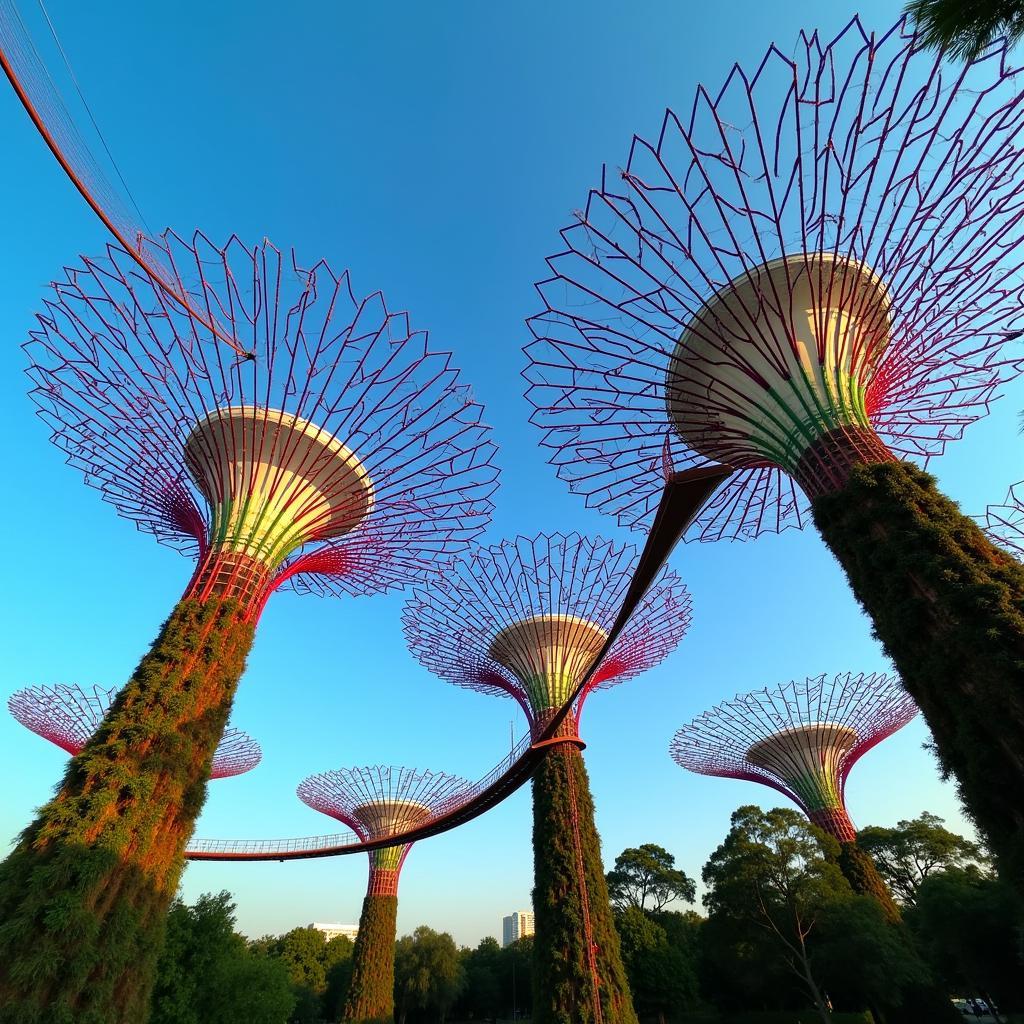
(857, 866)
(371, 993)
(576, 960)
(948, 606)
(84, 895)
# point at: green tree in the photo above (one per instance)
(577, 958)
(778, 872)
(662, 978)
(482, 996)
(207, 973)
(302, 951)
(862, 960)
(84, 895)
(740, 968)
(963, 28)
(428, 973)
(907, 854)
(971, 929)
(338, 972)
(317, 969)
(645, 873)
(516, 977)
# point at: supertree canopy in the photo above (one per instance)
(376, 802)
(809, 275)
(526, 618)
(1004, 523)
(68, 716)
(337, 453)
(802, 739)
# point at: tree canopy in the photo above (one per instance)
(645, 873)
(911, 851)
(207, 973)
(777, 871)
(428, 973)
(963, 28)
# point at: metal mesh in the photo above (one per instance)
(488, 619)
(124, 376)
(862, 168)
(68, 715)
(776, 736)
(1004, 523)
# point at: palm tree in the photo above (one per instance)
(963, 28)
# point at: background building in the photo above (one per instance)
(332, 931)
(516, 926)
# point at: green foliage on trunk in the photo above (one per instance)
(371, 993)
(84, 896)
(562, 980)
(860, 871)
(948, 606)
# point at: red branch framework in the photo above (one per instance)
(68, 715)
(526, 618)
(339, 454)
(380, 801)
(1004, 523)
(801, 738)
(826, 249)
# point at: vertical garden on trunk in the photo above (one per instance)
(84, 895)
(220, 434)
(948, 606)
(576, 960)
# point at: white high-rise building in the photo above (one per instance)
(516, 926)
(332, 931)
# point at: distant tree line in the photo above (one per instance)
(784, 939)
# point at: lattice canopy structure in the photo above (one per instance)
(68, 715)
(814, 265)
(338, 453)
(802, 739)
(1004, 523)
(526, 618)
(327, 448)
(379, 801)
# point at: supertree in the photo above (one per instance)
(802, 739)
(376, 802)
(68, 716)
(337, 454)
(809, 276)
(526, 619)
(1004, 523)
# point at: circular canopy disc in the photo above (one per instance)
(548, 654)
(780, 356)
(275, 481)
(383, 817)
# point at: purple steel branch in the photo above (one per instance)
(125, 378)
(801, 738)
(68, 716)
(1004, 523)
(861, 155)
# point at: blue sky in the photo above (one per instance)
(435, 150)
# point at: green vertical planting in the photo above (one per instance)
(948, 606)
(84, 896)
(371, 993)
(563, 982)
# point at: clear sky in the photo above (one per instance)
(435, 149)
